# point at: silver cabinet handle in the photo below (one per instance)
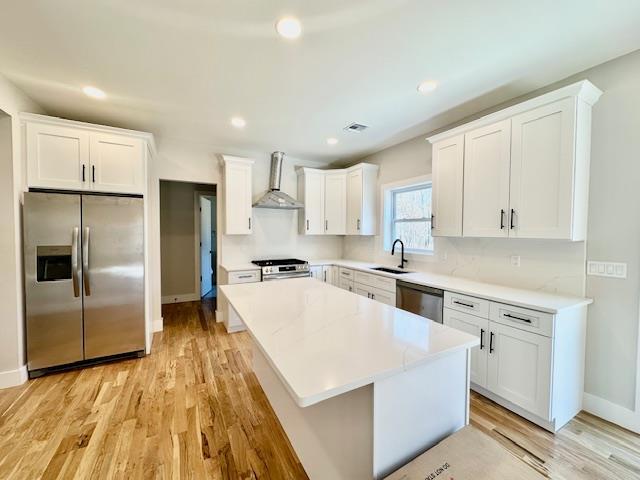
(245, 276)
(85, 261)
(74, 262)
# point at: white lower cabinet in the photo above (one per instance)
(346, 284)
(330, 274)
(478, 327)
(316, 272)
(528, 361)
(519, 368)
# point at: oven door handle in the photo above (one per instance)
(284, 276)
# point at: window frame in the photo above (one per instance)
(389, 221)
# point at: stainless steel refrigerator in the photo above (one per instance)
(84, 278)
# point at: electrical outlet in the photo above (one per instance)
(607, 269)
(515, 260)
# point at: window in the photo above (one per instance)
(410, 217)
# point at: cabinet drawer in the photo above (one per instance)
(346, 273)
(244, 277)
(522, 318)
(376, 281)
(467, 304)
(346, 284)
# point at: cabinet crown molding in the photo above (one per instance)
(224, 159)
(329, 171)
(584, 90)
(26, 117)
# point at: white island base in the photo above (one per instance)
(373, 430)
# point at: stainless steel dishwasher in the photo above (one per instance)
(421, 300)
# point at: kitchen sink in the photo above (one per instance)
(390, 270)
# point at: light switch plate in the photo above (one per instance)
(607, 269)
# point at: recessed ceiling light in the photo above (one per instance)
(289, 27)
(427, 86)
(238, 122)
(94, 92)
(332, 140)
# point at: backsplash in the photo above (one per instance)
(549, 266)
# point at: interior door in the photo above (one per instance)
(335, 203)
(520, 368)
(113, 261)
(542, 164)
(487, 163)
(206, 273)
(52, 279)
(354, 202)
(117, 164)
(57, 157)
(447, 177)
(478, 327)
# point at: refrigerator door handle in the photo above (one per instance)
(85, 261)
(74, 262)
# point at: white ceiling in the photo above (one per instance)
(183, 68)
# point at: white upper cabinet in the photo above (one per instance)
(486, 180)
(335, 201)
(361, 199)
(338, 202)
(543, 165)
(237, 195)
(117, 163)
(57, 157)
(311, 184)
(66, 155)
(526, 170)
(447, 181)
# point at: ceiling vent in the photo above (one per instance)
(355, 127)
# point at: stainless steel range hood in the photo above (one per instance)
(274, 198)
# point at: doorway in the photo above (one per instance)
(188, 251)
(206, 204)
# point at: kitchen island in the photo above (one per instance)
(359, 387)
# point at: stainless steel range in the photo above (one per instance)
(283, 268)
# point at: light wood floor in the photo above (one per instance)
(194, 409)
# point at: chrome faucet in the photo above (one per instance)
(393, 248)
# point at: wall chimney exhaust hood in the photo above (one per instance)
(274, 198)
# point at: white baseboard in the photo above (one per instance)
(612, 412)
(158, 325)
(12, 378)
(187, 297)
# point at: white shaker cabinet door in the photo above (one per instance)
(237, 186)
(447, 178)
(117, 164)
(520, 368)
(542, 171)
(313, 203)
(487, 159)
(478, 327)
(335, 203)
(354, 202)
(57, 157)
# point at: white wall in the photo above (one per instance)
(275, 232)
(613, 235)
(12, 355)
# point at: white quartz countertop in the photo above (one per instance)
(535, 300)
(323, 341)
